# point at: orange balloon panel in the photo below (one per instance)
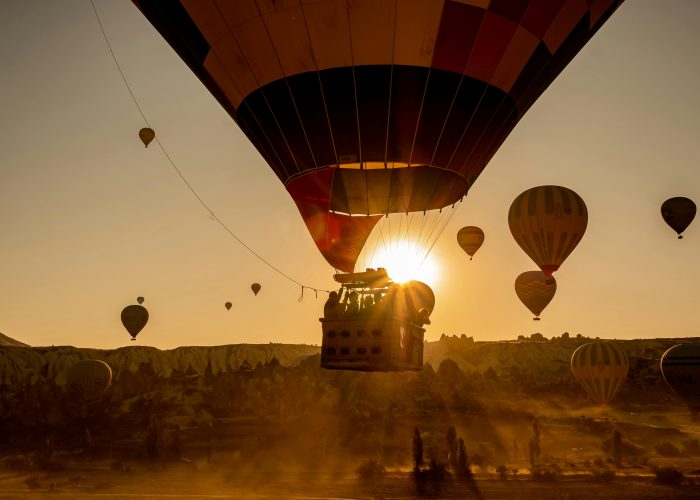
(601, 369)
(548, 222)
(403, 101)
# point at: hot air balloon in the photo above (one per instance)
(255, 287)
(680, 366)
(228, 306)
(548, 222)
(90, 377)
(678, 213)
(134, 318)
(365, 108)
(601, 369)
(535, 290)
(470, 238)
(140, 300)
(147, 135)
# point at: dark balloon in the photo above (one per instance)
(140, 300)
(375, 107)
(470, 238)
(420, 294)
(601, 369)
(228, 306)
(548, 222)
(147, 135)
(255, 287)
(134, 318)
(680, 366)
(90, 377)
(535, 290)
(678, 213)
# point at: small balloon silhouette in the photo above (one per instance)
(134, 318)
(255, 287)
(140, 300)
(147, 135)
(228, 305)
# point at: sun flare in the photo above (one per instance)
(405, 261)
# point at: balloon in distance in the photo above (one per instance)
(470, 238)
(601, 369)
(678, 213)
(535, 290)
(548, 222)
(134, 318)
(680, 366)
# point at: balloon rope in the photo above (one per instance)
(212, 214)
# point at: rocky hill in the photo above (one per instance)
(5, 340)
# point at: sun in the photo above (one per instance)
(404, 262)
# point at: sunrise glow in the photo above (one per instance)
(405, 261)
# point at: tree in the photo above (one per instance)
(533, 446)
(617, 449)
(452, 446)
(417, 447)
(152, 437)
(463, 459)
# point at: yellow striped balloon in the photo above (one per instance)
(601, 369)
(535, 290)
(470, 238)
(548, 222)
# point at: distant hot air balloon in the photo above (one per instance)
(601, 369)
(140, 300)
(678, 213)
(680, 366)
(228, 306)
(548, 222)
(147, 135)
(90, 377)
(373, 107)
(535, 290)
(255, 287)
(470, 239)
(134, 318)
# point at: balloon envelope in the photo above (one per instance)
(255, 287)
(680, 366)
(140, 300)
(228, 306)
(678, 213)
(147, 135)
(548, 222)
(369, 107)
(470, 238)
(134, 318)
(420, 294)
(601, 369)
(91, 377)
(535, 290)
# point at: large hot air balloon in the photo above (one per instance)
(680, 366)
(134, 318)
(372, 107)
(470, 238)
(146, 135)
(89, 377)
(548, 222)
(678, 213)
(255, 287)
(535, 290)
(601, 369)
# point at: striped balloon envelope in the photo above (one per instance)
(371, 107)
(680, 366)
(470, 238)
(535, 290)
(601, 369)
(548, 222)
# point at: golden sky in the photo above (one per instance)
(90, 219)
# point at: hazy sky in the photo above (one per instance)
(89, 219)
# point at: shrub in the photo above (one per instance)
(502, 471)
(603, 476)
(370, 470)
(668, 475)
(544, 474)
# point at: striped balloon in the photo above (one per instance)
(470, 238)
(535, 290)
(601, 369)
(680, 366)
(548, 222)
